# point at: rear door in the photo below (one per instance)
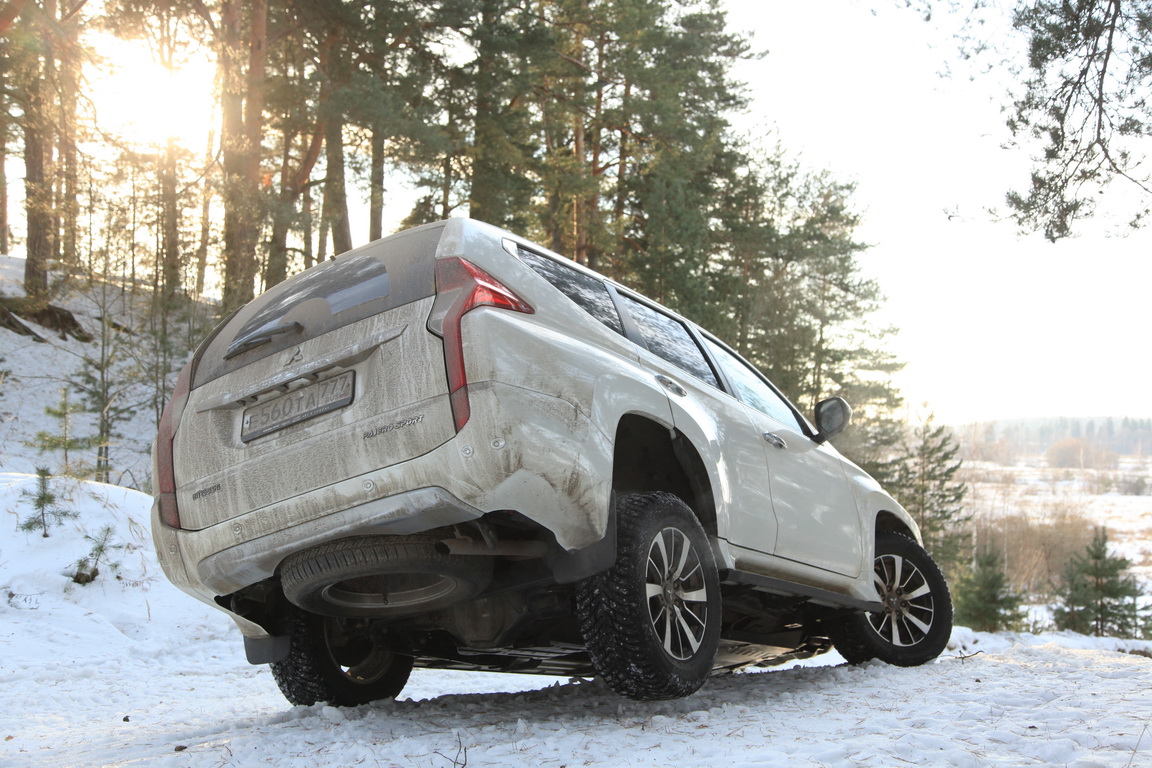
(819, 523)
(715, 422)
(326, 376)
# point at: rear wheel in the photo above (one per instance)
(916, 622)
(651, 622)
(337, 661)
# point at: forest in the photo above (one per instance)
(602, 129)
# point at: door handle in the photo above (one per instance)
(671, 385)
(775, 439)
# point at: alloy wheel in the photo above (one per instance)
(909, 606)
(676, 593)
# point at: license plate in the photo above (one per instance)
(297, 406)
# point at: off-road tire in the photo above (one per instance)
(381, 576)
(651, 622)
(916, 623)
(330, 661)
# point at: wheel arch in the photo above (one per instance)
(649, 456)
(887, 521)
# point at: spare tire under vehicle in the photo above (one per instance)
(381, 576)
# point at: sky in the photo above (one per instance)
(992, 324)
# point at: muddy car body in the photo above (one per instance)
(453, 448)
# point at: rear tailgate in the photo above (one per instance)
(328, 375)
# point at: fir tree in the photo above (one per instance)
(63, 439)
(104, 381)
(985, 601)
(87, 567)
(923, 479)
(1098, 596)
(46, 509)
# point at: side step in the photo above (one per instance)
(791, 589)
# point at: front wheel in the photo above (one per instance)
(338, 662)
(916, 622)
(651, 622)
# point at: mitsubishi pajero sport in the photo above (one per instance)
(452, 448)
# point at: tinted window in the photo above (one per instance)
(667, 337)
(750, 387)
(375, 278)
(342, 284)
(588, 293)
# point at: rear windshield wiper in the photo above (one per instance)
(262, 336)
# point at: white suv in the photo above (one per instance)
(452, 448)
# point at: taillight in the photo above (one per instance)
(165, 480)
(461, 286)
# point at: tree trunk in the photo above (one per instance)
(334, 211)
(69, 207)
(205, 221)
(376, 185)
(335, 195)
(242, 105)
(307, 210)
(37, 199)
(170, 266)
(483, 197)
(292, 184)
(4, 228)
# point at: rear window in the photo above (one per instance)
(375, 278)
(588, 293)
(342, 285)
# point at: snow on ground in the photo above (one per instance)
(33, 373)
(127, 671)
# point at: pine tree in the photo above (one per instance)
(45, 505)
(1098, 596)
(923, 479)
(984, 599)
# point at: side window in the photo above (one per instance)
(587, 292)
(750, 388)
(668, 338)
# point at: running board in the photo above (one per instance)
(792, 589)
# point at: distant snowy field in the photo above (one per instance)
(128, 671)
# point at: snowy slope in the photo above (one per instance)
(127, 671)
(37, 371)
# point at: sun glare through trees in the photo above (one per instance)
(140, 101)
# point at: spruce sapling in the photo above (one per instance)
(46, 509)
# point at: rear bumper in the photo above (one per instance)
(521, 451)
(257, 559)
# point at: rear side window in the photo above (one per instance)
(588, 293)
(667, 337)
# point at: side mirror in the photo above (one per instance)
(832, 418)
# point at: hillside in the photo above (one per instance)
(127, 671)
